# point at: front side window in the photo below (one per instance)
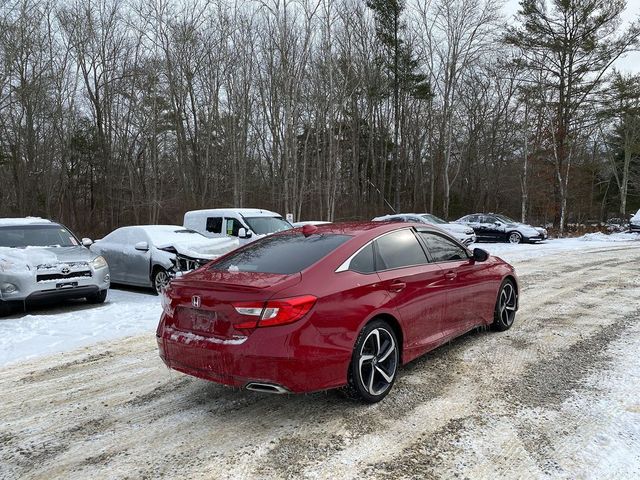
(399, 249)
(442, 249)
(21, 236)
(233, 227)
(214, 224)
(284, 254)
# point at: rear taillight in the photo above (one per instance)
(274, 312)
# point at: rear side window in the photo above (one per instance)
(443, 249)
(400, 249)
(363, 262)
(285, 254)
(214, 224)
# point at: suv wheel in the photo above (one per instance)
(99, 297)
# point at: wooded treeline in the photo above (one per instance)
(123, 112)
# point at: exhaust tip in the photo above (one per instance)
(266, 388)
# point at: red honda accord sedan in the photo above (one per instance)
(337, 305)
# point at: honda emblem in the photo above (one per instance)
(195, 301)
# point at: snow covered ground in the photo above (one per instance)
(51, 329)
(129, 312)
(553, 397)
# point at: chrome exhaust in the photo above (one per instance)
(266, 388)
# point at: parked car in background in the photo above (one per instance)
(634, 222)
(41, 259)
(493, 227)
(338, 305)
(149, 255)
(463, 234)
(308, 222)
(617, 224)
(246, 224)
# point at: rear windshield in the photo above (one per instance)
(284, 254)
(36, 236)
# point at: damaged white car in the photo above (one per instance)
(149, 255)
(43, 260)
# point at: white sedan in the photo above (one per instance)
(148, 255)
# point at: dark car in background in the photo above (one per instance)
(493, 227)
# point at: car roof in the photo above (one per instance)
(253, 212)
(356, 228)
(5, 222)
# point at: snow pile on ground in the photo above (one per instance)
(71, 325)
(523, 251)
(611, 237)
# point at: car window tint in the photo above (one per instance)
(363, 261)
(285, 253)
(232, 227)
(400, 249)
(442, 249)
(214, 224)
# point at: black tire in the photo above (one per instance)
(5, 309)
(506, 307)
(99, 297)
(514, 237)
(159, 279)
(374, 363)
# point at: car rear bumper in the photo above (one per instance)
(264, 357)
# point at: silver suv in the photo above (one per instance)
(40, 259)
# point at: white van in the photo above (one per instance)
(247, 224)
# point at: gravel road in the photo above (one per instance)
(557, 396)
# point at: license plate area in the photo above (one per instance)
(63, 285)
(199, 321)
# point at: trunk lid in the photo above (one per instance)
(204, 300)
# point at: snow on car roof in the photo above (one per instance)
(257, 212)
(23, 221)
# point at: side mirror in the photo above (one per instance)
(244, 233)
(498, 222)
(142, 246)
(480, 255)
(87, 242)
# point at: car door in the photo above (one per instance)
(416, 288)
(137, 262)
(495, 227)
(463, 284)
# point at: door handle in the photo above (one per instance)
(450, 275)
(397, 286)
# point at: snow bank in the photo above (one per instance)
(76, 324)
(610, 237)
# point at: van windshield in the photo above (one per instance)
(266, 225)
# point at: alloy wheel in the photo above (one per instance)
(160, 280)
(378, 361)
(507, 304)
(515, 237)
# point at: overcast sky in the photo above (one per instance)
(628, 63)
